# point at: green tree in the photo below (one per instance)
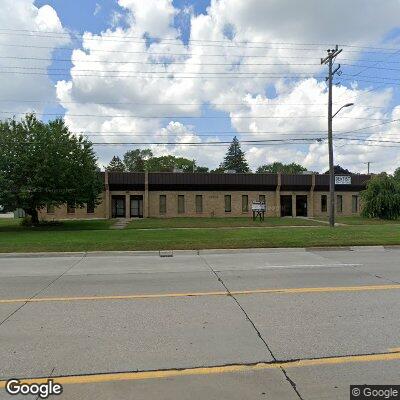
(217, 170)
(278, 167)
(136, 160)
(381, 198)
(396, 174)
(339, 170)
(201, 170)
(235, 158)
(116, 165)
(44, 164)
(169, 163)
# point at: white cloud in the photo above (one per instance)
(23, 15)
(97, 9)
(122, 69)
(153, 17)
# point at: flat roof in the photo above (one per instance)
(221, 181)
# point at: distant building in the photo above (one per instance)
(164, 194)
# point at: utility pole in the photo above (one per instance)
(368, 164)
(329, 59)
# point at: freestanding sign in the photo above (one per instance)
(342, 180)
(258, 208)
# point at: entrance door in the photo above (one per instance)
(118, 206)
(136, 206)
(286, 206)
(301, 206)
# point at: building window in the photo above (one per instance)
(354, 204)
(181, 204)
(50, 209)
(163, 204)
(70, 208)
(90, 207)
(228, 203)
(261, 198)
(324, 203)
(245, 203)
(339, 203)
(199, 203)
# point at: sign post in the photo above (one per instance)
(258, 208)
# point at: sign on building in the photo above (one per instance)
(343, 180)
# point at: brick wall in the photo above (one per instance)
(347, 203)
(80, 213)
(213, 204)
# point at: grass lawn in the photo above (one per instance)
(357, 220)
(31, 240)
(203, 222)
(14, 225)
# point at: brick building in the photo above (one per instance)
(163, 194)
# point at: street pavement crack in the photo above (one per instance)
(375, 275)
(291, 382)
(43, 289)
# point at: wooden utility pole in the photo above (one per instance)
(329, 59)
(368, 164)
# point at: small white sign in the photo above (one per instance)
(343, 180)
(258, 206)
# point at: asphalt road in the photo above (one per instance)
(277, 324)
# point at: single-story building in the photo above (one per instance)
(164, 194)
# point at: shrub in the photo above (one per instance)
(381, 199)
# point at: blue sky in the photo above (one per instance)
(79, 15)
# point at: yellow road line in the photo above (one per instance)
(128, 376)
(200, 294)
(394, 350)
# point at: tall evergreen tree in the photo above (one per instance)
(235, 158)
(116, 165)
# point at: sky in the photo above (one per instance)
(201, 72)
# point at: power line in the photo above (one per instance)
(202, 75)
(195, 117)
(80, 34)
(172, 75)
(155, 62)
(373, 126)
(370, 140)
(167, 104)
(180, 104)
(170, 62)
(174, 42)
(67, 70)
(170, 54)
(48, 71)
(245, 142)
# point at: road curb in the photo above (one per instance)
(330, 248)
(158, 253)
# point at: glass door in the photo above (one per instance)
(118, 207)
